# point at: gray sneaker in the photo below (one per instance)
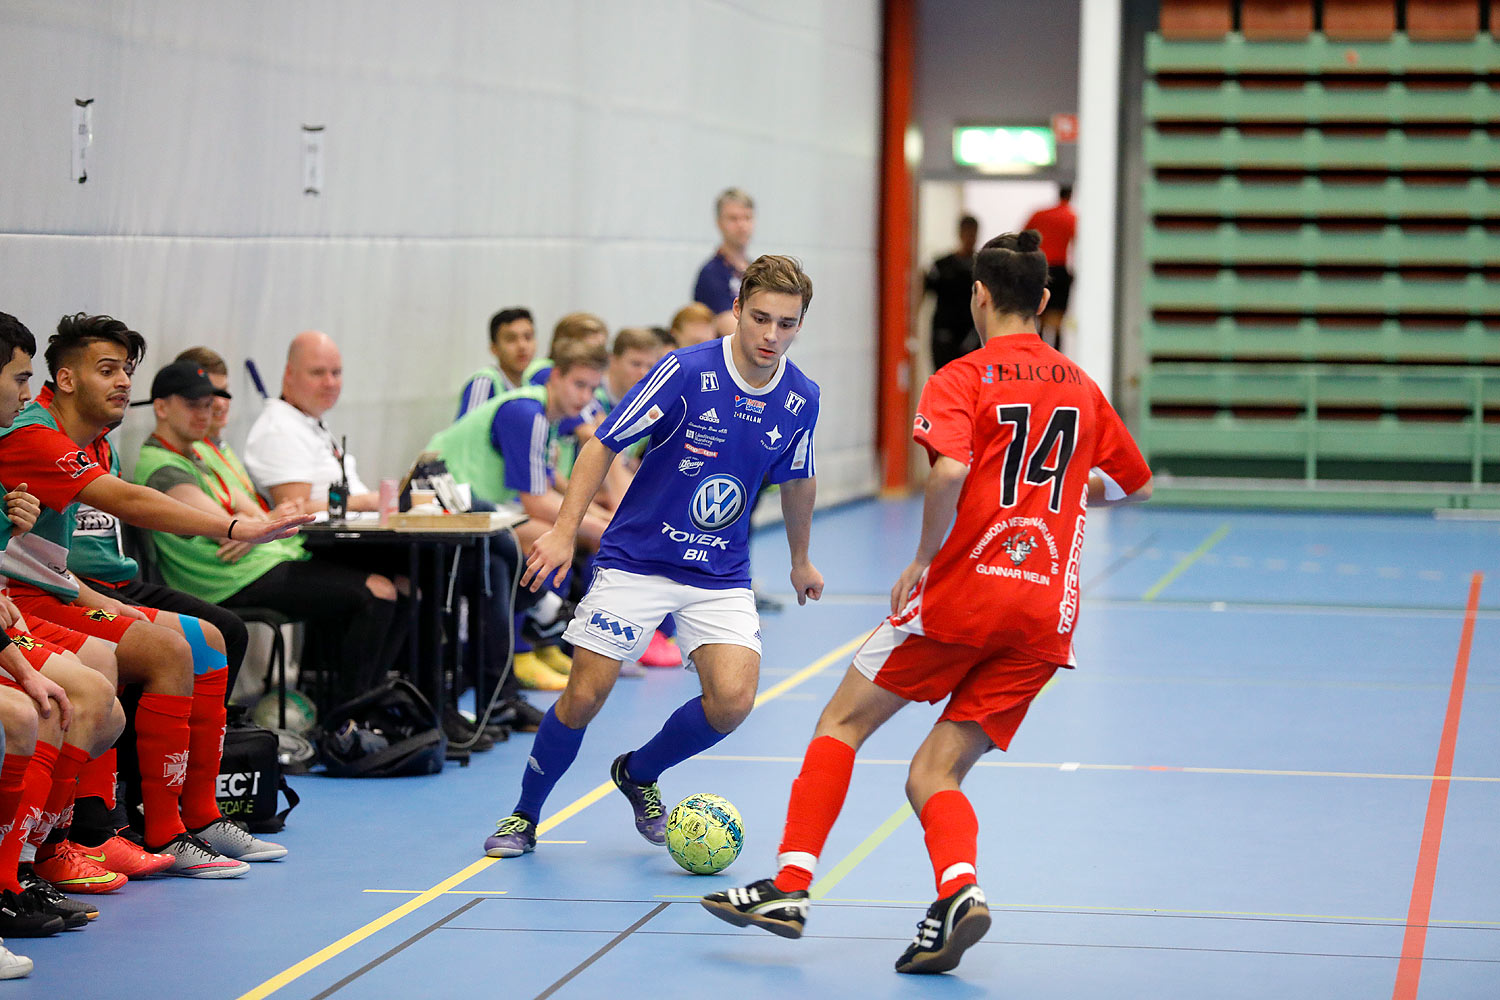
(650, 818)
(233, 842)
(195, 859)
(514, 836)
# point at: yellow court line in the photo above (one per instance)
(821, 887)
(1185, 562)
(575, 807)
(450, 892)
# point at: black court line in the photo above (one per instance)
(601, 952)
(904, 939)
(400, 947)
(1114, 567)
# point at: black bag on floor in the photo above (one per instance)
(390, 732)
(249, 778)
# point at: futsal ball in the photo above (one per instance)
(704, 833)
(301, 715)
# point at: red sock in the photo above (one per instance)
(12, 783)
(97, 779)
(161, 743)
(57, 813)
(36, 785)
(952, 833)
(200, 806)
(817, 796)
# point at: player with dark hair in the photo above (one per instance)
(513, 343)
(1021, 442)
(58, 447)
(721, 415)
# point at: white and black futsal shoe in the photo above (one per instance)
(761, 904)
(951, 925)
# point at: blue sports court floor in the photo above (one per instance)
(1234, 796)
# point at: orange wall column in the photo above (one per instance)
(895, 242)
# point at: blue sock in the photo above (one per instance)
(685, 734)
(552, 753)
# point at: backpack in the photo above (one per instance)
(389, 732)
(249, 778)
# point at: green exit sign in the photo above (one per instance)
(1004, 149)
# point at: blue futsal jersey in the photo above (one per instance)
(714, 439)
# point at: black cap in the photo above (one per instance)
(186, 379)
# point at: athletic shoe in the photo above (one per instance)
(519, 715)
(558, 661)
(632, 668)
(662, 652)
(761, 904)
(532, 673)
(462, 735)
(66, 866)
(23, 916)
(74, 912)
(514, 836)
(233, 842)
(13, 966)
(950, 927)
(123, 856)
(192, 858)
(645, 800)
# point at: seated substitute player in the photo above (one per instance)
(1021, 442)
(721, 416)
(513, 343)
(55, 449)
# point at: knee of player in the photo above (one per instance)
(18, 718)
(213, 636)
(92, 697)
(113, 726)
(380, 587)
(727, 709)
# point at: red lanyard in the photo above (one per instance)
(249, 489)
(226, 500)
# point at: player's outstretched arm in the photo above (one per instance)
(939, 502)
(797, 497)
(146, 508)
(552, 554)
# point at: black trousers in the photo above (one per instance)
(154, 595)
(369, 633)
(492, 581)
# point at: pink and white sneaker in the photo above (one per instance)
(662, 652)
(192, 858)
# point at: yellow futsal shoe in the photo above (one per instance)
(533, 673)
(556, 659)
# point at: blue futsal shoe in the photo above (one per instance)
(514, 836)
(650, 818)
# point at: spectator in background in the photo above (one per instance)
(1057, 226)
(951, 281)
(693, 324)
(718, 282)
(575, 326)
(290, 451)
(178, 460)
(513, 343)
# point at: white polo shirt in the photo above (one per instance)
(288, 446)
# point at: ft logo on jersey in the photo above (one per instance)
(794, 403)
(709, 381)
(717, 503)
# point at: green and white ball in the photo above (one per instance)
(704, 833)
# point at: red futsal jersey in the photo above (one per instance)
(1030, 425)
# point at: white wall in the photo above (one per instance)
(562, 155)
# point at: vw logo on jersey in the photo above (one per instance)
(717, 503)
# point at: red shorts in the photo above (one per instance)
(992, 687)
(38, 604)
(33, 646)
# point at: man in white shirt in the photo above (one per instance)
(289, 451)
